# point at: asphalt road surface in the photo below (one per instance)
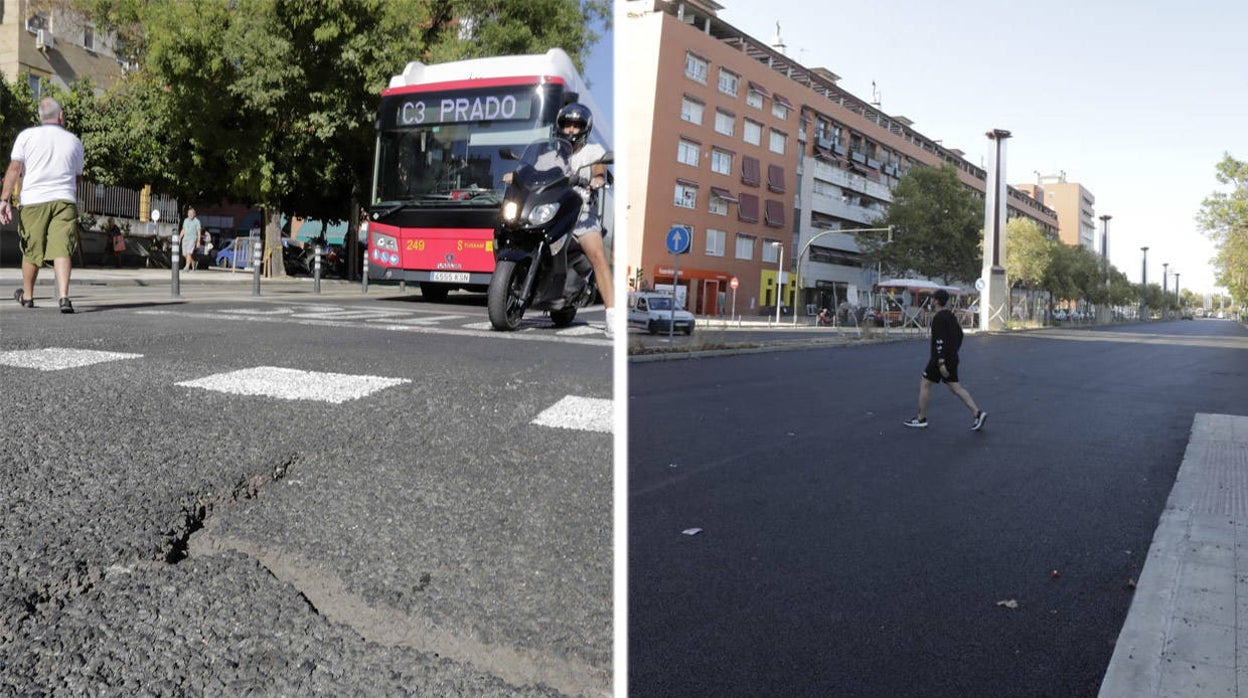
(299, 495)
(788, 536)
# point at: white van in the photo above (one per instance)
(653, 313)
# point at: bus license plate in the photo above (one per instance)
(452, 276)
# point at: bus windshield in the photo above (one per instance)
(450, 156)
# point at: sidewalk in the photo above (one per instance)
(1187, 629)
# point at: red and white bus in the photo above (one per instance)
(438, 175)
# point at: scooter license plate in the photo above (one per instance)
(452, 276)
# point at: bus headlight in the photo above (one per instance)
(385, 242)
(542, 214)
(510, 210)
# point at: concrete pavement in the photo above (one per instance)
(1187, 631)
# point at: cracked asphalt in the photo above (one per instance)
(427, 539)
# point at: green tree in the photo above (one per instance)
(17, 111)
(937, 223)
(272, 102)
(1224, 217)
(1027, 256)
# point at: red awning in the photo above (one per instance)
(774, 213)
(723, 194)
(751, 172)
(775, 178)
(755, 87)
(782, 101)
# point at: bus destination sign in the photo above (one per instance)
(456, 108)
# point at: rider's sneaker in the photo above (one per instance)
(979, 420)
(609, 326)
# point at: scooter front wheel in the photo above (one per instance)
(503, 299)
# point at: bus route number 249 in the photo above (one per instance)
(417, 245)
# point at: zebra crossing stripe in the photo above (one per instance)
(58, 358)
(581, 413)
(293, 384)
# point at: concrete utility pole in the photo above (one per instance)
(993, 300)
(1144, 284)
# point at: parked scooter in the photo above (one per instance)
(538, 263)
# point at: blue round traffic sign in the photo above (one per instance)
(678, 239)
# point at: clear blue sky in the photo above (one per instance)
(600, 74)
(1136, 101)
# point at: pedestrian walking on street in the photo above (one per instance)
(943, 364)
(115, 241)
(48, 159)
(191, 233)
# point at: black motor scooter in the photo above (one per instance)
(538, 263)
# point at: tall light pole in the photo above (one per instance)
(1144, 283)
(1105, 258)
(993, 302)
(1165, 268)
(779, 277)
(1178, 300)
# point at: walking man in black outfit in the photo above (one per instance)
(943, 364)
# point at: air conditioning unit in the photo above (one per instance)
(44, 40)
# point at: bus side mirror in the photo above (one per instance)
(508, 154)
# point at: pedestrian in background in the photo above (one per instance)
(943, 364)
(191, 233)
(114, 242)
(48, 159)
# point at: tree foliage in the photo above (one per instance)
(1027, 253)
(1224, 217)
(937, 223)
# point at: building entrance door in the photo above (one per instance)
(710, 297)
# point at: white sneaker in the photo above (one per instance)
(609, 326)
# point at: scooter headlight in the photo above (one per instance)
(542, 214)
(510, 210)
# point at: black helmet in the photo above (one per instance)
(575, 113)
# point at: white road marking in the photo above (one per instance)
(583, 330)
(57, 358)
(293, 384)
(416, 320)
(583, 413)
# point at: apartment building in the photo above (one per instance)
(767, 163)
(40, 40)
(1075, 207)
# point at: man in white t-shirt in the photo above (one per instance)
(48, 159)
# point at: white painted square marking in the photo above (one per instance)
(57, 358)
(292, 384)
(583, 413)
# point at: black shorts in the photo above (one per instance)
(932, 372)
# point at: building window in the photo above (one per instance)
(686, 194)
(691, 111)
(745, 246)
(728, 82)
(754, 99)
(721, 162)
(717, 206)
(725, 122)
(770, 251)
(33, 81)
(715, 241)
(775, 178)
(779, 111)
(695, 67)
(752, 132)
(688, 152)
(751, 174)
(822, 188)
(777, 142)
(747, 208)
(773, 213)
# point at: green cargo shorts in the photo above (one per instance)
(47, 231)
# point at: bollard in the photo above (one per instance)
(364, 285)
(256, 252)
(316, 268)
(403, 286)
(175, 262)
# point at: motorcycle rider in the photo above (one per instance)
(574, 124)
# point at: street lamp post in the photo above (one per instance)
(1165, 268)
(993, 300)
(779, 277)
(1178, 300)
(1144, 283)
(1105, 258)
